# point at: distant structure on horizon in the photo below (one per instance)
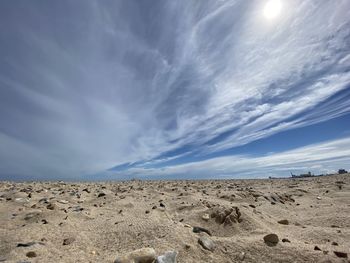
(342, 171)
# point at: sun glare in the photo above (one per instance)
(272, 9)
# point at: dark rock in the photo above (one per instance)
(284, 240)
(334, 243)
(283, 222)
(26, 244)
(101, 194)
(207, 243)
(317, 248)
(51, 206)
(68, 241)
(31, 254)
(271, 239)
(340, 254)
(198, 229)
(86, 190)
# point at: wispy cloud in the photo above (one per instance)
(326, 157)
(85, 86)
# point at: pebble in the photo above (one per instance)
(283, 222)
(242, 256)
(197, 229)
(207, 243)
(51, 206)
(143, 255)
(29, 244)
(317, 248)
(284, 240)
(68, 241)
(101, 194)
(168, 257)
(205, 217)
(31, 254)
(271, 239)
(340, 254)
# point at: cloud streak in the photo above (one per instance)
(326, 157)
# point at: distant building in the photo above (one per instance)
(342, 171)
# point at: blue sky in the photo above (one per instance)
(173, 89)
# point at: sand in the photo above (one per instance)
(96, 222)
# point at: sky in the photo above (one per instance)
(162, 89)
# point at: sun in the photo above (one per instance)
(272, 9)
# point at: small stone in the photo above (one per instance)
(242, 256)
(334, 243)
(51, 206)
(340, 254)
(271, 239)
(147, 211)
(31, 254)
(206, 243)
(68, 241)
(143, 255)
(283, 222)
(284, 240)
(205, 217)
(101, 194)
(317, 248)
(168, 257)
(318, 198)
(197, 229)
(154, 207)
(26, 244)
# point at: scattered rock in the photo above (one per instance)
(29, 244)
(317, 248)
(86, 190)
(51, 206)
(31, 254)
(284, 240)
(205, 217)
(242, 256)
(101, 194)
(271, 239)
(198, 229)
(226, 216)
(340, 254)
(334, 243)
(68, 241)
(168, 257)
(207, 243)
(283, 222)
(143, 255)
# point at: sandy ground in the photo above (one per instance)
(96, 222)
